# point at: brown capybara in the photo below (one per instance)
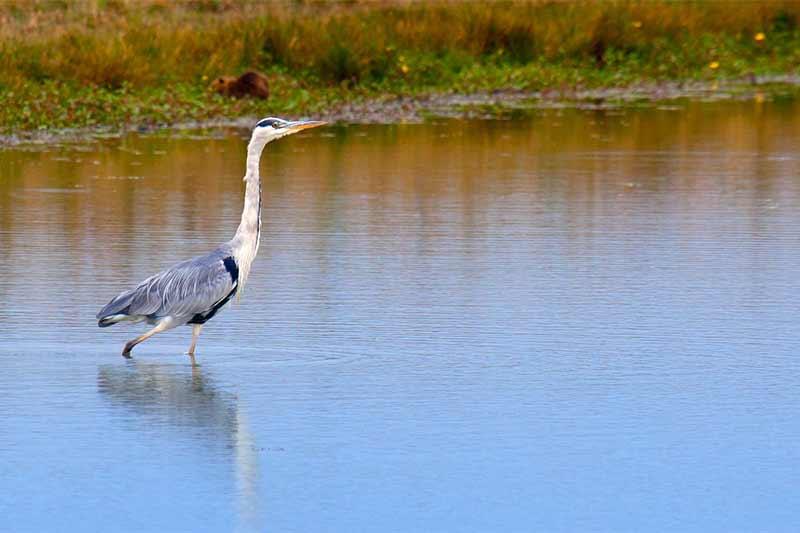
(250, 83)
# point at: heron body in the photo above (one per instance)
(192, 292)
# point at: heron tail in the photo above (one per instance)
(116, 310)
(111, 320)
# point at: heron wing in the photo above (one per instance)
(183, 290)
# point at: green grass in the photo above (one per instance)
(120, 63)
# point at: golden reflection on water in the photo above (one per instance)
(94, 210)
(139, 181)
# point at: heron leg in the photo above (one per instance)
(126, 352)
(196, 328)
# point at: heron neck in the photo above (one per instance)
(245, 242)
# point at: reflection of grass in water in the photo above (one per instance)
(121, 62)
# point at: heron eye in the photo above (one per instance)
(276, 125)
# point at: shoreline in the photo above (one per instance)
(405, 109)
(76, 70)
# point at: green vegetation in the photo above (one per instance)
(117, 63)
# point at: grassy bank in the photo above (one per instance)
(118, 63)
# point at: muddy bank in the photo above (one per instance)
(494, 104)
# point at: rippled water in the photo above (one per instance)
(575, 320)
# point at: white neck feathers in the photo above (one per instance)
(245, 241)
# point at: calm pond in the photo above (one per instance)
(574, 320)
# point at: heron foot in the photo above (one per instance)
(126, 352)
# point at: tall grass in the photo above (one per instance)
(144, 43)
(86, 62)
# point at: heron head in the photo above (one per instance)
(273, 128)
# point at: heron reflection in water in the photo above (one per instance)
(175, 398)
(193, 291)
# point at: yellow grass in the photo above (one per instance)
(67, 63)
(146, 42)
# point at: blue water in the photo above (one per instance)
(570, 322)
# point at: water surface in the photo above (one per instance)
(571, 321)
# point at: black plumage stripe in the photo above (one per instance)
(232, 268)
(233, 271)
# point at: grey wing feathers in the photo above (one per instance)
(186, 289)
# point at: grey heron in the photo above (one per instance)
(193, 291)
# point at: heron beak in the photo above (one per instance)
(301, 125)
